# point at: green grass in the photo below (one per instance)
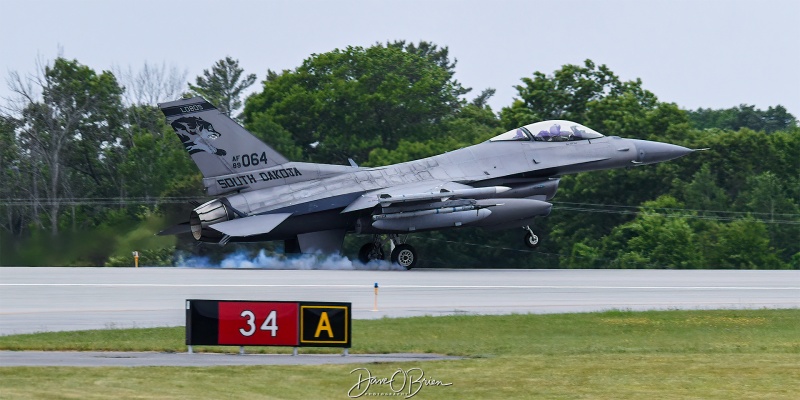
(615, 355)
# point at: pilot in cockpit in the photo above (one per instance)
(551, 134)
(555, 134)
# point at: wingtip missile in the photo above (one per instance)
(473, 193)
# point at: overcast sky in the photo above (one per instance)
(695, 53)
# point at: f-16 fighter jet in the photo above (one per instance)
(502, 183)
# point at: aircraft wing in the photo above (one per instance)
(249, 226)
(420, 193)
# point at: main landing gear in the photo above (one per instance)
(531, 240)
(402, 254)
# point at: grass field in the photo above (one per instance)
(614, 355)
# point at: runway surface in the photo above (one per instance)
(57, 299)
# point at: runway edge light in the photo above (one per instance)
(375, 304)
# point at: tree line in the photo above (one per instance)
(89, 171)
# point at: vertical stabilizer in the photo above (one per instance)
(216, 143)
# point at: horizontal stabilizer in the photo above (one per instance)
(249, 226)
(183, 227)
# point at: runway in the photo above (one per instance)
(58, 299)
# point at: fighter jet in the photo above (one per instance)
(502, 183)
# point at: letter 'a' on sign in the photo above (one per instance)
(325, 324)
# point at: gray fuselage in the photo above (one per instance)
(316, 204)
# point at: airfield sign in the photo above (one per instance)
(268, 323)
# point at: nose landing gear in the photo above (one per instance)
(531, 240)
(401, 253)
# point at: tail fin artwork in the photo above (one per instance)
(216, 143)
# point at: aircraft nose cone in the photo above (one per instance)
(654, 152)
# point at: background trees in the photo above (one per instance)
(68, 133)
(74, 164)
(745, 116)
(345, 103)
(88, 152)
(223, 85)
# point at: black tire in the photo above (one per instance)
(369, 252)
(405, 256)
(531, 240)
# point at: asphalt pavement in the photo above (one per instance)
(58, 299)
(61, 299)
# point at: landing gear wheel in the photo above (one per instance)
(405, 256)
(531, 240)
(370, 252)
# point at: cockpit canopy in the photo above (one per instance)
(549, 131)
